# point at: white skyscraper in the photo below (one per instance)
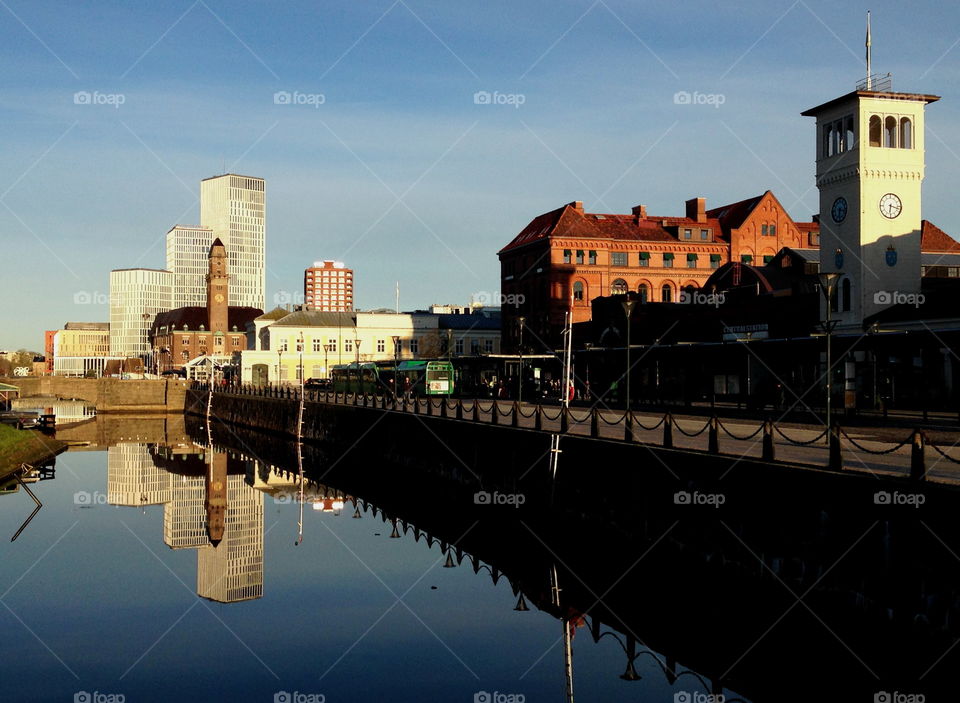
(136, 296)
(233, 207)
(188, 247)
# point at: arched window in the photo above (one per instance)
(906, 133)
(875, 130)
(666, 293)
(845, 294)
(890, 132)
(849, 139)
(578, 291)
(827, 128)
(618, 287)
(644, 292)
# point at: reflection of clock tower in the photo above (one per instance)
(870, 165)
(217, 287)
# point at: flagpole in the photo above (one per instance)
(868, 45)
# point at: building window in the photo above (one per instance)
(414, 346)
(592, 258)
(890, 132)
(668, 260)
(764, 230)
(644, 258)
(381, 346)
(317, 346)
(579, 256)
(218, 341)
(567, 256)
(746, 258)
(458, 346)
(474, 346)
(185, 355)
(618, 258)
(767, 258)
(773, 230)
(687, 234)
(398, 346)
(705, 235)
(644, 292)
(488, 346)
(283, 346)
(845, 286)
(347, 345)
(691, 261)
(184, 340)
(578, 291)
(906, 133)
(300, 345)
(618, 287)
(666, 293)
(875, 129)
(332, 345)
(715, 261)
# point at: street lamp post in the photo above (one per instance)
(627, 310)
(396, 364)
(520, 321)
(356, 343)
(300, 367)
(326, 363)
(828, 285)
(279, 363)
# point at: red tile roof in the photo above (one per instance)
(934, 239)
(733, 215)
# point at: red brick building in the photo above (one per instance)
(565, 258)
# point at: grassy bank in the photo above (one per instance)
(24, 446)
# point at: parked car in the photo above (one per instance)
(318, 384)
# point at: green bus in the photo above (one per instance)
(426, 377)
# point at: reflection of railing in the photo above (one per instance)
(628, 426)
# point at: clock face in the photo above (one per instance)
(839, 210)
(890, 206)
(218, 297)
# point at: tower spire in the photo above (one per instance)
(868, 44)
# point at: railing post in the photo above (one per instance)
(918, 459)
(459, 412)
(476, 410)
(667, 431)
(594, 423)
(538, 417)
(444, 410)
(564, 419)
(516, 415)
(769, 453)
(628, 426)
(429, 405)
(495, 413)
(714, 436)
(356, 398)
(416, 405)
(836, 455)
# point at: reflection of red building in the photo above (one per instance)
(48, 336)
(572, 255)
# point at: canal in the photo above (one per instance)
(173, 563)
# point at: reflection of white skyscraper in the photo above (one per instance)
(133, 479)
(233, 570)
(234, 209)
(184, 517)
(188, 249)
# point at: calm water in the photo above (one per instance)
(120, 586)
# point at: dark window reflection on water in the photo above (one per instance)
(170, 573)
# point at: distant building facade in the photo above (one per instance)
(233, 208)
(136, 296)
(187, 250)
(80, 349)
(328, 287)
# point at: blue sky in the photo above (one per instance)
(399, 172)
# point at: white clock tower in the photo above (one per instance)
(870, 166)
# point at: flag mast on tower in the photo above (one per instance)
(868, 43)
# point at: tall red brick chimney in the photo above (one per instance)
(697, 209)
